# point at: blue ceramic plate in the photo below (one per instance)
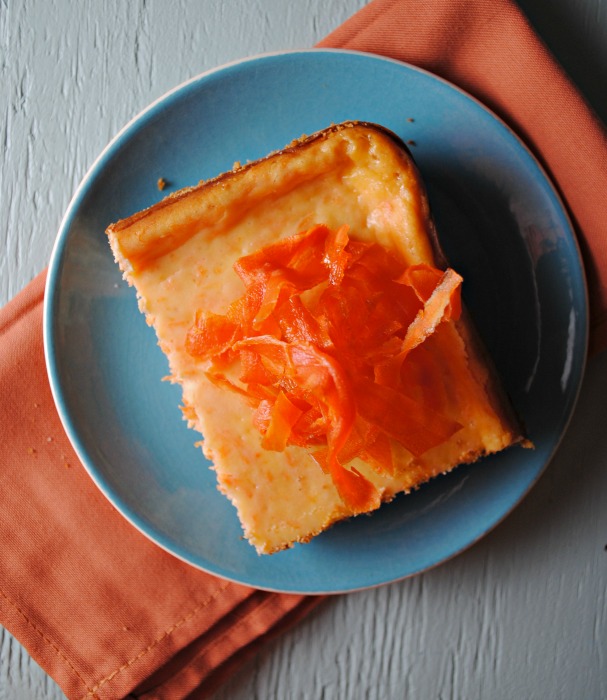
(502, 226)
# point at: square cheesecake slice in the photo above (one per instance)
(318, 396)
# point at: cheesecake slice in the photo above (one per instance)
(309, 315)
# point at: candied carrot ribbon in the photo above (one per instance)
(319, 338)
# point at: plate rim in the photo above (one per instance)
(52, 290)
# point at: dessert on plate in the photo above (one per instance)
(309, 314)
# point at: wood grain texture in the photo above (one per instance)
(523, 614)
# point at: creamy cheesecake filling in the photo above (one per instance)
(179, 256)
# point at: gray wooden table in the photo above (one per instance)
(523, 614)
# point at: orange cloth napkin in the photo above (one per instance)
(103, 610)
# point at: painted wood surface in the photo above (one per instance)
(522, 614)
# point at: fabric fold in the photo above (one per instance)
(215, 657)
